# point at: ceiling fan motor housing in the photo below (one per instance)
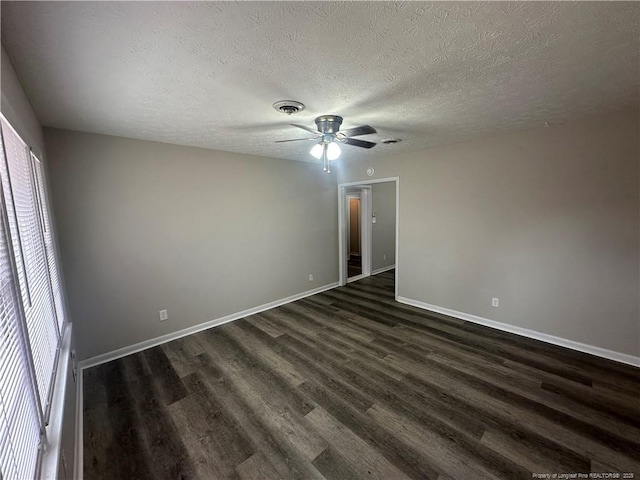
(328, 123)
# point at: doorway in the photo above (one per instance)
(354, 263)
(355, 218)
(357, 241)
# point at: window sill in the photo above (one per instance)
(51, 457)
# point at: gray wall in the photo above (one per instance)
(146, 226)
(17, 109)
(383, 232)
(547, 220)
(15, 106)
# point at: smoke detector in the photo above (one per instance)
(288, 106)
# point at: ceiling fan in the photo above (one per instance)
(328, 135)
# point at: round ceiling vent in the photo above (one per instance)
(288, 106)
(391, 141)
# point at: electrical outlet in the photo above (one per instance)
(163, 315)
(311, 277)
(495, 302)
(384, 257)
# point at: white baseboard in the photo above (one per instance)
(375, 272)
(525, 332)
(153, 342)
(356, 278)
(383, 269)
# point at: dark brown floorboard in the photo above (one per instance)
(354, 266)
(350, 384)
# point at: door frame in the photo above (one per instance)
(343, 226)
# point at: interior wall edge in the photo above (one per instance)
(625, 358)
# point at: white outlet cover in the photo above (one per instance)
(495, 302)
(163, 315)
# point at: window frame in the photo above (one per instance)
(61, 326)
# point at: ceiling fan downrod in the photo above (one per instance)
(325, 160)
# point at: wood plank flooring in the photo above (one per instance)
(354, 266)
(349, 384)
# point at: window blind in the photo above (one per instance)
(11, 147)
(54, 274)
(31, 308)
(19, 420)
(25, 230)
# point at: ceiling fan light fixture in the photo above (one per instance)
(328, 135)
(316, 150)
(333, 151)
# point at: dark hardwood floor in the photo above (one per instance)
(354, 266)
(349, 384)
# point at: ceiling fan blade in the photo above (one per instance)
(305, 128)
(361, 130)
(294, 140)
(359, 143)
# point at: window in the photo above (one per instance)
(31, 310)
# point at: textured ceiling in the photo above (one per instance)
(205, 74)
